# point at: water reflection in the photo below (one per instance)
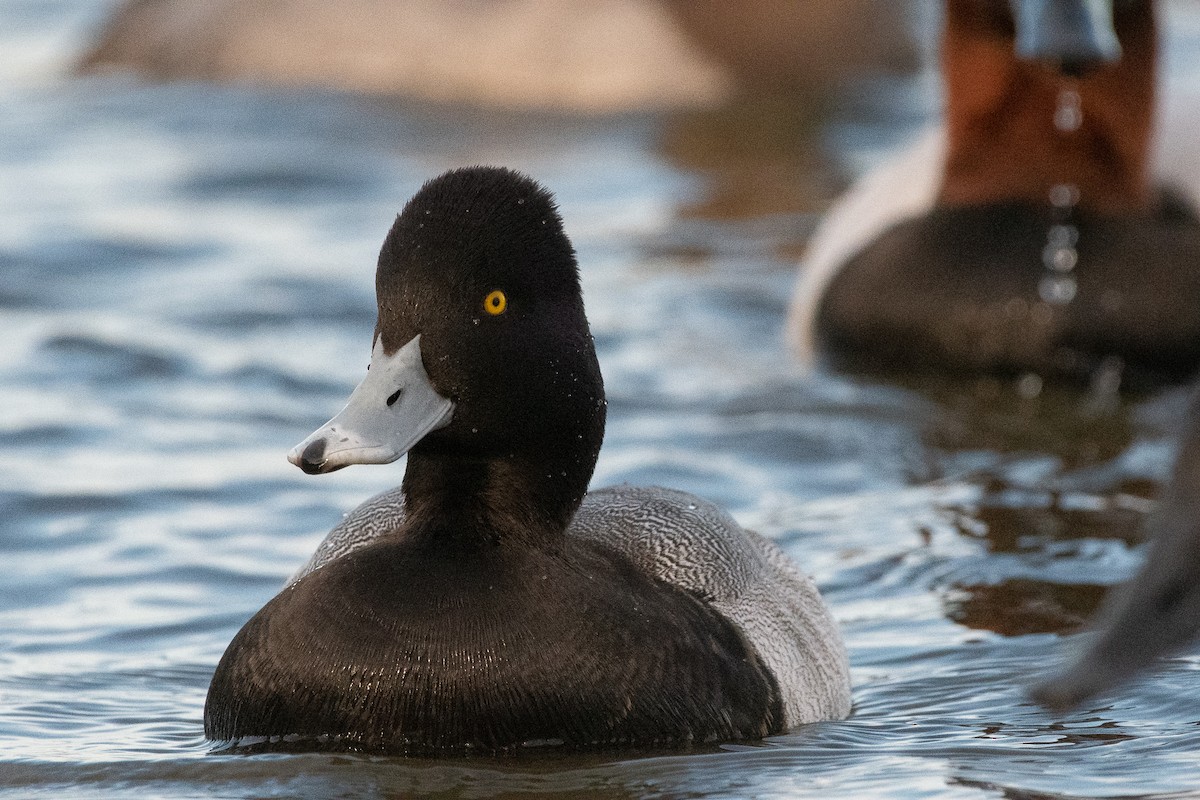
(1020, 606)
(761, 157)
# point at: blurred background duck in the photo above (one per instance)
(597, 57)
(1044, 228)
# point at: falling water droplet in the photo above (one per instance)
(1062, 235)
(1057, 289)
(1064, 195)
(1068, 114)
(1029, 386)
(1059, 259)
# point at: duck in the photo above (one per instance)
(491, 603)
(599, 57)
(1041, 229)
(1157, 612)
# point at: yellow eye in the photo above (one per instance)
(495, 303)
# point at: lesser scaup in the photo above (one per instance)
(1028, 234)
(490, 601)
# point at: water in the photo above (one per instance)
(186, 291)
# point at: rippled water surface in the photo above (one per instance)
(186, 290)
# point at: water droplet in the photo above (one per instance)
(1057, 289)
(1068, 114)
(1063, 235)
(1104, 390)
(1029, 386)
(1059, 259)
(1064, 195)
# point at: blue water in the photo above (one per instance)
(186, 290)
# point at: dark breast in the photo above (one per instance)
(401, 649)
(957, 291)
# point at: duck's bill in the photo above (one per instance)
(1074, 34)
(393, 408)
(1157, 612)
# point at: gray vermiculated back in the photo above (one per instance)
(380, 515)
(696, 546)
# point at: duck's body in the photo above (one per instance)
(974, 305)
(1009, 242)
(418, 643)
(693, 546)
(490, 602)
(599, 56)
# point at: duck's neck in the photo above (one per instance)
(467, 502)
(1003, 144)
